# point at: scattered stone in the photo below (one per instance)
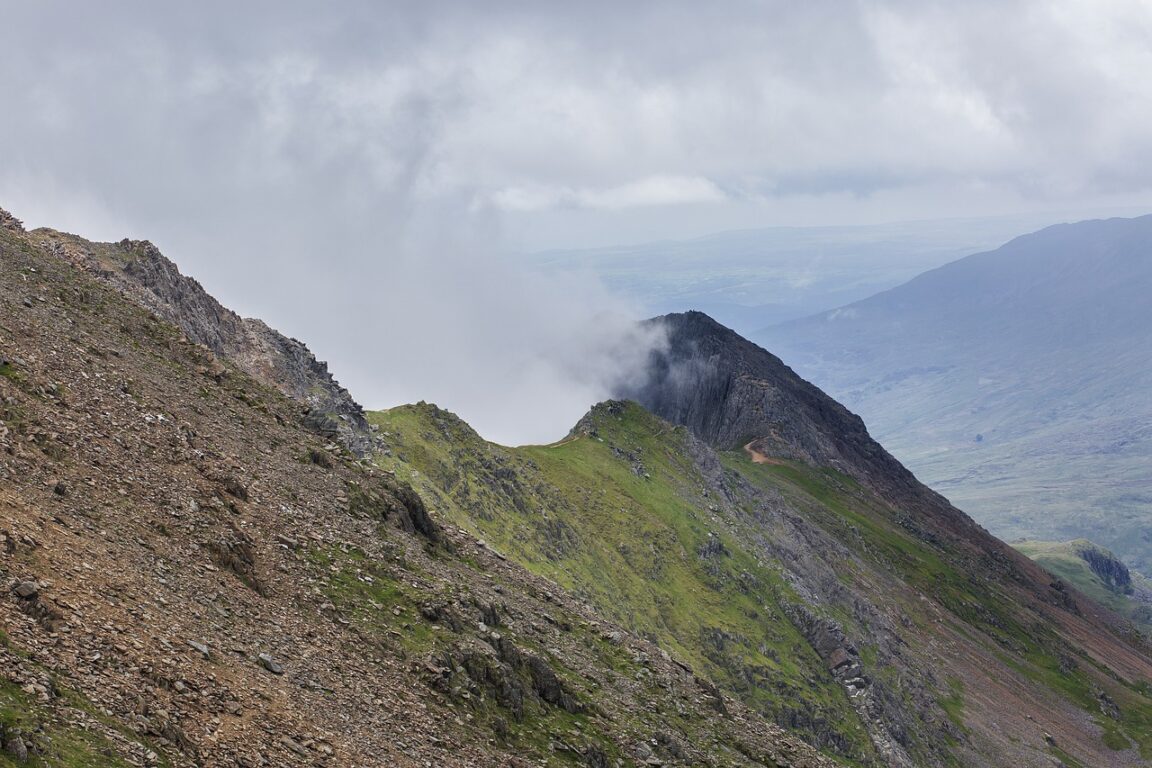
(16, 747)
(292, 746)
(271, 664)
(235, 550)
(236, 488)
(11, 223)
(201, 647)
(287, 542)
(27, 590)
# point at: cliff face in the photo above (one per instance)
(734, 394)
(1109, 568)
(139, 270)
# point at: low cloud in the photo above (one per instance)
(520, 356)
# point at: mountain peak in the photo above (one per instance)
(734, 394)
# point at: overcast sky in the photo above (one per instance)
(353, 171)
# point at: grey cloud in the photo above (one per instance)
(341, 169)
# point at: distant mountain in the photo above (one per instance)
(1016, 381)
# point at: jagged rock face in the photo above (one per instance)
(10, 222)
(200, 316)
(140, 270)
(732, 393)
(1107, 566)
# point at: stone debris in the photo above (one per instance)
(16, 749)
(270, 664)
(201, 647)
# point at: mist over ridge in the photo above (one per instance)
(519, 355)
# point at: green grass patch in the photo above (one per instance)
(1065, 758)
(953, 703)
(1062, 559)
(1114, 737)
(376, 598)
(51, 742)
(617, 515)
(8, 371)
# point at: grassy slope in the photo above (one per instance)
(1025, 645)
(1061, 559)
(627, 539)
(620, 517)
(54, 731)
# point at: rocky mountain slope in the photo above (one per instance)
(776, 548)
(1012, 381)
(139, 270)
(193, 576)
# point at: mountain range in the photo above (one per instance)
(212, 556)
(1013, 381)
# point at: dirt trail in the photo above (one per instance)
(759, 458)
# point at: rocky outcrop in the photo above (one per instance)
(391, 499)
(260, 351)
(732, 393)
(1109, 568)
(10, 222)
(886, 721)
(139, 270)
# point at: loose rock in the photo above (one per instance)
(271, 664)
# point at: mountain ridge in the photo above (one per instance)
(194, 575)
(810, 519)
(138, 268)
